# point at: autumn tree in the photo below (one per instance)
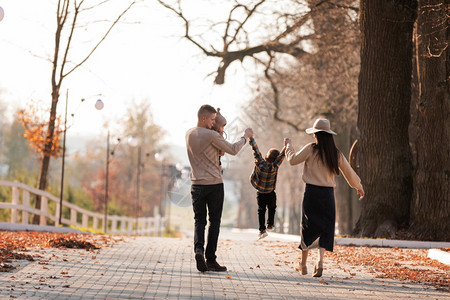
(137, 122)
(33, 120)
(431, 124)
(70, 26)
(140, 123)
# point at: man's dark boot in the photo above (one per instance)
(214, 266)
(201, 264)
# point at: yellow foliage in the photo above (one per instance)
(37, 128)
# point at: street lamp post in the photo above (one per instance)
(109, 152)
(160, 158)
(134, 142)
(138, 184)
(163, 201)
(105, 222)
(98, 105)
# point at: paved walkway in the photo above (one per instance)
(163, 268)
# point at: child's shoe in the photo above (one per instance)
(262, 234)
(270, 227)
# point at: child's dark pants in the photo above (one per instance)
(268, 200)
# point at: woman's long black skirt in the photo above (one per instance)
(318, 218)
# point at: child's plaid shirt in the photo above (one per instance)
(264, 176)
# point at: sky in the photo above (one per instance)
(143, 59)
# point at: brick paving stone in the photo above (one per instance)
(164, 268)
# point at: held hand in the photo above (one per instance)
(249, 132)
(360, 193)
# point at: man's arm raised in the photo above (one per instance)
(231, 148)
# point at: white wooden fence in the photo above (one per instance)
(20, 201)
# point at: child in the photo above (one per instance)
(264, 179)
(219, 125)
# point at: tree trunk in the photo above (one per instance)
(384, 95)
(294, 210)
(343, 192)
(430, 207)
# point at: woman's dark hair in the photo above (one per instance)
(328, 153)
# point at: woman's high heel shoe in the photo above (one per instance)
(318, 269)
(300, 268)
(304, 270)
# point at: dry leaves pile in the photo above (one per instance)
(14, 243)
(410, 265)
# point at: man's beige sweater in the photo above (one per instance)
(316, 173)
(203, 147)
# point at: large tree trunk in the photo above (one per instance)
(384, 99)
(430, 207)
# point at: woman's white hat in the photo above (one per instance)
(320, 125)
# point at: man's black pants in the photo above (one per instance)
(207, 199)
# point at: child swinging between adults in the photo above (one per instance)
(323, 161)
(204, 146)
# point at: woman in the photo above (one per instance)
(323, 161)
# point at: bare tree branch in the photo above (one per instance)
(227, 57)
(102, 39)
(249, 14)
(61, 17)
(356, 9)
(186, 33)
(94, 6)
(69, 40)
(276, 97)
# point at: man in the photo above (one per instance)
(203, 146)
